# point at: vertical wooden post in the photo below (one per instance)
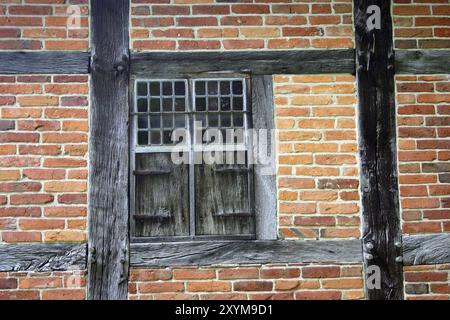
(377, 133)
(108, 151)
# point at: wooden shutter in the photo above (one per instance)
(223, 199)
(162, 196)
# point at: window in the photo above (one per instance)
(204, 123)
(192, 174)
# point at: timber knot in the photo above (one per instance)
(121, 66)
(118, 67)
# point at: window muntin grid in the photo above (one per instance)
(163, 105)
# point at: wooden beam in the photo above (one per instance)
(109, 151)
(42, 257)
(422, 61)
(244, 252)
(254, 62)
(377, 147)
(265, 185)
(47, 62)
(426, 249)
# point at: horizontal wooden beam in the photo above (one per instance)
(422, 61)
(266, 62)
(253, 62)
(244, 252)
(42, 257)
(49, 62)
(426, 249)
(417, 250)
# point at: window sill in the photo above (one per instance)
(207, 253)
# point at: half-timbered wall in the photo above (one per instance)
(43, 146)
(44, 136)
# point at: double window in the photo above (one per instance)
(192, 174)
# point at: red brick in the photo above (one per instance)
(31, 199)
(252, 286)
(193, 274)
(21, 236)
(157, 287)
(320, 272)
(318, 295)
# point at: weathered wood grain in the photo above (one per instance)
(264, 152)
(161, 201)
(426, 249)
(377, 148)
(51, 62)
(109, 151)
(254, 62)
(244, 252)
(42, 257)
(422, 61)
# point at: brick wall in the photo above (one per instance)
(280, 282)
(43, 158)
(44, 134)
(424, 152)
(250, 24)
(68, 285)
(427, 282)
(421, 24)
(318, 177)
(42, 25)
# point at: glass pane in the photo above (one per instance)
(237, 87)
(201, 118)
(167, 88)
(167, 105)
(225, 120)
(142, 89)
(225, 104)
(155, 137)
(167, 121)
(167, 137)
(212, 88)
(238, 120)
(143, 122)
(180, 88)
(200, 104)
(155, 89)
(224, 88)
(155, 105)
(142, 105)
(200, 88)
(155, 121)
(180, 104)
(180, 121)
(143, 137)
(213, 104)
(213, 120)
(238, 104)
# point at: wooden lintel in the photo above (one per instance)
(251, 62)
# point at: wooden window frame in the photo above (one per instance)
(262, 187)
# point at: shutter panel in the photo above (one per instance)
(223, 199)
(161, 196)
